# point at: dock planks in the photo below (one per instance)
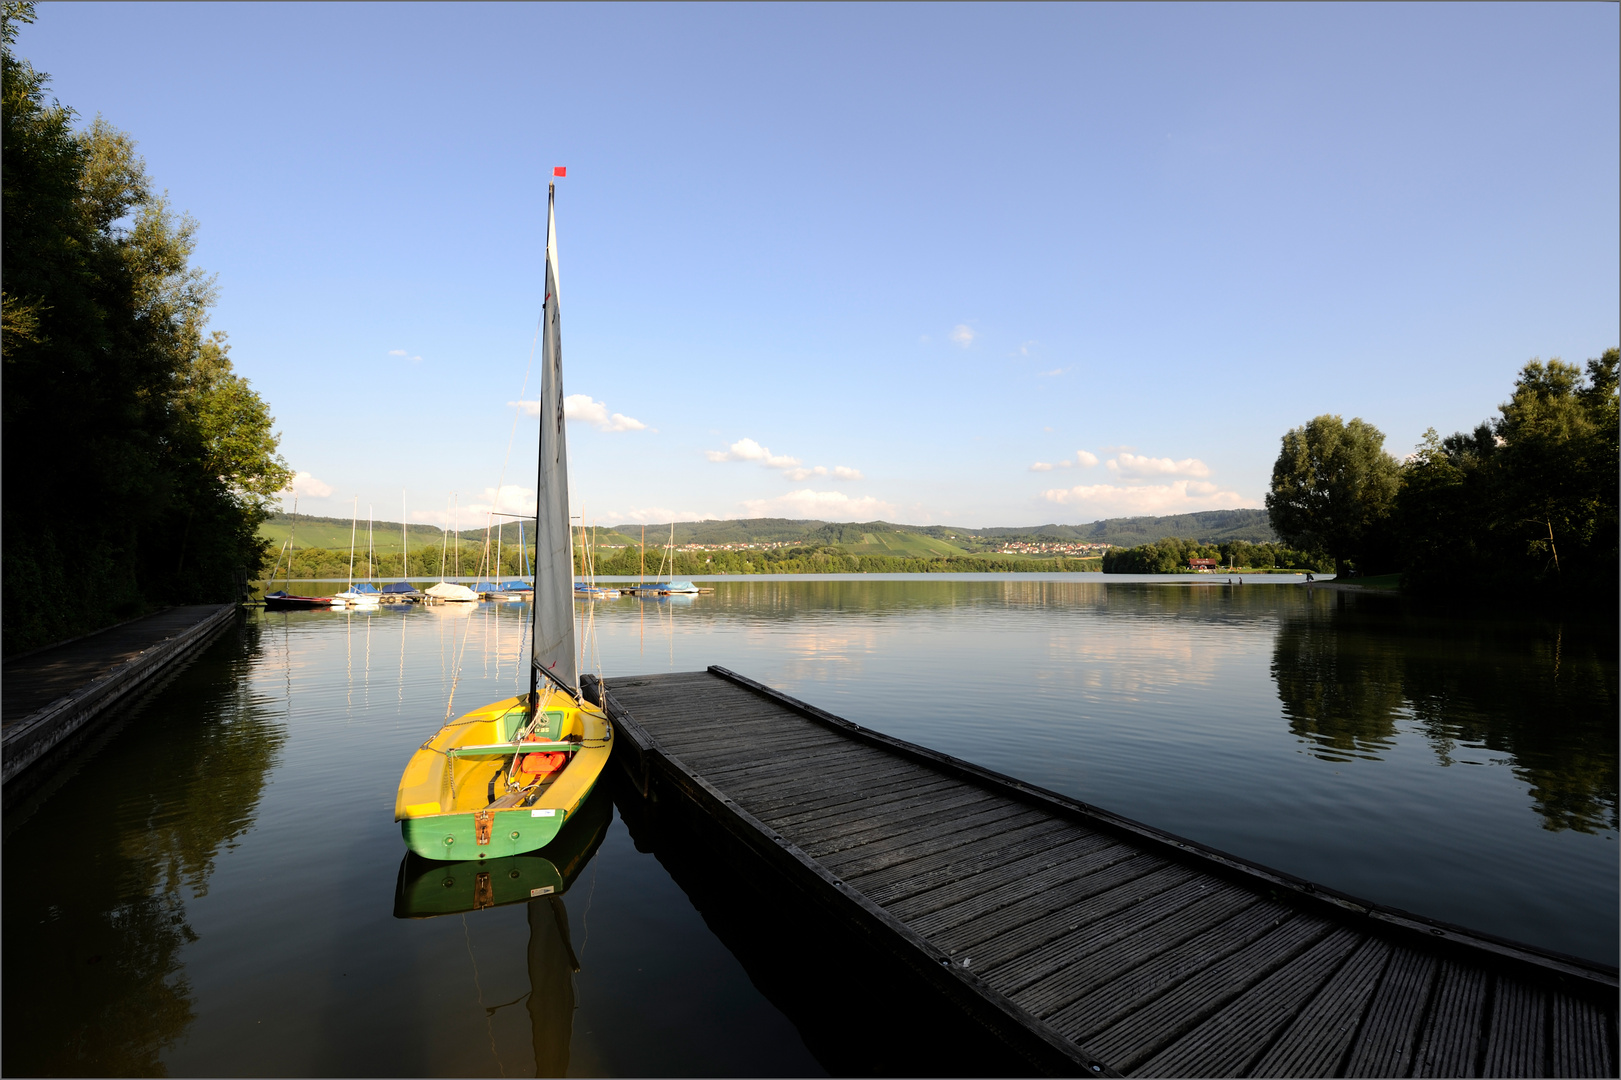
(1089, 943)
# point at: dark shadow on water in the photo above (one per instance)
(858, 1011)
(115, 842)
(1541, 690)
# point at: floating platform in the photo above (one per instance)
(1085, 942)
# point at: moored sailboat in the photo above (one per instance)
(503, 779)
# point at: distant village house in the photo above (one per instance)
(1205, 565)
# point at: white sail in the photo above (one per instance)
(553, 636)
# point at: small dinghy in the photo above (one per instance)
(504, 779)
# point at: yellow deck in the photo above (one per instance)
(437, 784)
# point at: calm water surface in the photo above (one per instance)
(212, 888)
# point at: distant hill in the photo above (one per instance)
(883, 537)
(1207, 526)
(857, 538)
(331, 532)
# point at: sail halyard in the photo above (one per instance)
(552, 640)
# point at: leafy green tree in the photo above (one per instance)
(137, 465)
(1332, 486)
(1527, 501)
(1559, 464)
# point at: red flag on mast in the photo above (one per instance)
(560, 170)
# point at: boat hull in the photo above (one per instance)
(429, 888)
(455, 800)
(297, 603)
(454, 837)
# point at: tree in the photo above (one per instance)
(137, 464)
(1559, 459)
(1332, 485)
(1527, 501)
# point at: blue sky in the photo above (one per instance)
(852, 262)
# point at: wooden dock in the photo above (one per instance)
(50, 694)
(1089, 943)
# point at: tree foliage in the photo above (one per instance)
(118, 409)
(1526, 500)
(1332, 485)
(1170, 555)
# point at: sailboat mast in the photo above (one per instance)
(292, 531)
(354, 520)
(405, 554)
(552, 641)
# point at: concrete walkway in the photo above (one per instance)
(47, 695)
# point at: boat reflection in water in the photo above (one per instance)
(427, 888)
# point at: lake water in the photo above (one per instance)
(211, 888)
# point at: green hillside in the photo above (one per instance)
(855, 538)
(882, 537)
(329, 532)
(1208, 526)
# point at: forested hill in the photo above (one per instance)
(1206, 526)
(873, 537)
(1212, 526)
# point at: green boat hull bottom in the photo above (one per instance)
(428, 887)
(455, 837)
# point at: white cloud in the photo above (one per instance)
(1042, 466)
(661, 514)
(792, 467)
(581, 408)
(838, 472)
(749, 450)
(1177, 497)
(963, 335)
(1054, 372)
(397, 352)
(305, 484)
(1024, 350)
(823, 505)
(1133, 465)
(1085, 459)
(406, 354)
(475, 513)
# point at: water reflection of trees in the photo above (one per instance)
(98, 878)
(764, 601)
(1542, 692)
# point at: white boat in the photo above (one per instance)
(362, 594)
(450, 592)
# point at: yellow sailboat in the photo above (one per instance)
(504, 779)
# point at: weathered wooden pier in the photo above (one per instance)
(51, 694)
(1089, 943)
